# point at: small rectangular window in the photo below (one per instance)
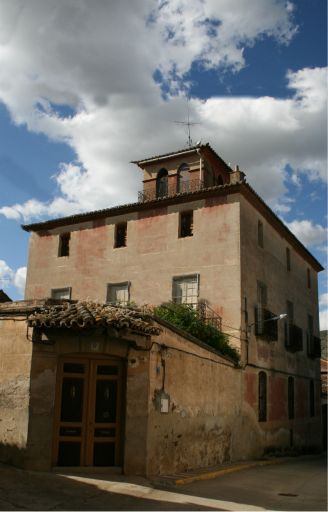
(186, 224)
(291, 406)
(312, 398)
(61, 293)
(262, 294)
(288, 259)
(260, 239)
(63, 248)
(118, 293)
(290, 312)
(308, 278)
(120, 234)
(262, 396)
(185, 290)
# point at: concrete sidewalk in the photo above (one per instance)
(214, 472)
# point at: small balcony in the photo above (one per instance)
(204, 312)
(264, 328)
(293, 338)
(313, 345)
(170, 190)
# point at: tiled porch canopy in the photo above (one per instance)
(82, 315)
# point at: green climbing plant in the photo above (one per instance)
(186, 318)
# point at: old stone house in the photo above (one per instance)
(200, 235)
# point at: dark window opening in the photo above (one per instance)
(162, 183)
(219, 180)
(288, 259)
(120, 234)
(308, 278)
(291, 405)
(186, 224)
(262, 396)
(63, 249)
(260, 239)
(311, 397)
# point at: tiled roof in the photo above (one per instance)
(82, 315)
(180, 152)
(4, 297)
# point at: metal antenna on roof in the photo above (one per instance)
(188, 124)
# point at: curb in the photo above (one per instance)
(184, 480)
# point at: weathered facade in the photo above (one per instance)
(199, 235)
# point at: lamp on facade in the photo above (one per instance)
(277, 317)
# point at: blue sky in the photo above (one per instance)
(86, 87)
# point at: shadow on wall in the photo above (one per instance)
(12, 454)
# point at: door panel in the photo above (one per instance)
(88, 413)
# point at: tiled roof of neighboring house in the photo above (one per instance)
(4, 297)
(182, 152)
(82, 315)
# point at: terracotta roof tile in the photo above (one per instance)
(82, 315)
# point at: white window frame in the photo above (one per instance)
(63, 291)
(123, 286)
(185, 298)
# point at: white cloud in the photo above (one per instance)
(6, 274)
(19, 280)
(9, 277)
(323, 320)
(308, 232)
(67, 53)
(323, 300)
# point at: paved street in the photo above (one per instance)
(298, 484)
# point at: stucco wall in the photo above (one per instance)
(15, 362)
(268, 265)
(153, 256)
(205, 425)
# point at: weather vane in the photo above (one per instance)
(188, 124)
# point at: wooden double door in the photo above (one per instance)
(88, 413)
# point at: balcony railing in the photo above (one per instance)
(293, 337)
(313, 345)
(205, 313)
(183, 187)
(264, 327)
